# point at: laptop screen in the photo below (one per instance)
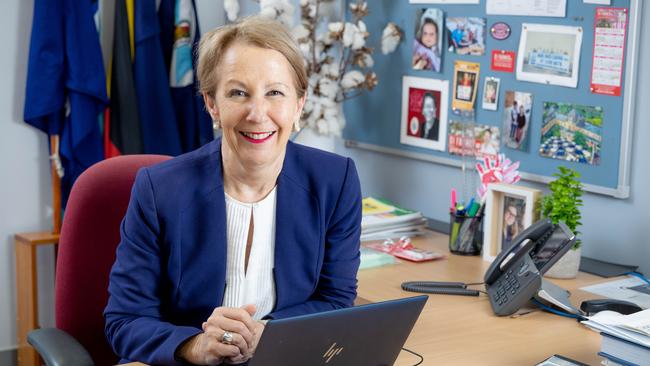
(370, 334)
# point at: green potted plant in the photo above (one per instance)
(563, 204)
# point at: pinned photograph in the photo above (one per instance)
(465, 85)
(466, 36)
(549, 54)
(424, 112)
(516, 119)
(572, 132)
(491, 93)
(427, 45)
(471, 139)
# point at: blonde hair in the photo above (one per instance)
(255, 31)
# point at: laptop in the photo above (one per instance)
(366, 335)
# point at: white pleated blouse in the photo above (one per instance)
(255, 286)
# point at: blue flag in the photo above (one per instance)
(66, 85)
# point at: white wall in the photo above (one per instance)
(25, 195)
(614, 230)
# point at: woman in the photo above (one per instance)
(247, 228)
(521, 123)
(510, 226)
(431, 123)
(426, 55)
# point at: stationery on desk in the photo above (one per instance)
(625, 338)
(383, 219)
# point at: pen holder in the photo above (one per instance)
(465, 234)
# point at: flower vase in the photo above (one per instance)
(567, 266)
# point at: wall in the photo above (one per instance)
(613, 230)
(25, 195)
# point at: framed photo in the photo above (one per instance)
(465, 85)
(491, 93)
(516, 119)
(427, 45)
(549, 54)
(424, 112)
(509, 210)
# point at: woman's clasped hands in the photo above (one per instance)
(230, 336)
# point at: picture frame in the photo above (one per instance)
(549, 54)
(491, 93)
(424, 112)
(509, 210)
(428, 40)
(466, 76)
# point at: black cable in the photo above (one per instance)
(416, 354)
(475, 283)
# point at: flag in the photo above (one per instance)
(66, 87)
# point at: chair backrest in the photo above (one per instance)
(89, 236)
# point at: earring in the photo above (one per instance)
(216, 124)
(296, 125)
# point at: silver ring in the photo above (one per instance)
(227, 337)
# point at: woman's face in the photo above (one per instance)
(256, 102)
(510, 215)
(429, 108)
(429, 35)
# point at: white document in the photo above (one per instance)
(622, 290)
(538, 8)
(633, 327)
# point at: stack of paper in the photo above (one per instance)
(383, 219)
(626, 338)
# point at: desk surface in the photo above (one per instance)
(461, 330)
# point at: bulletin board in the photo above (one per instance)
(373, 120)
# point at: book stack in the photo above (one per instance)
(383, 219)
(625, 338)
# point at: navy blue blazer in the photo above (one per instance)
(170, 269)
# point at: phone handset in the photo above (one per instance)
(525, 242)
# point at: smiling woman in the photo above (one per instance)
(247, 228)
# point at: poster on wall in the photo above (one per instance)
(424, 112)
(503, 61)
(465, 84)
(538, 8)
(516, 119)
(549, 54)
(610, 27)
(472, 139)
(572, 132)
(427, 44)
(466, 36)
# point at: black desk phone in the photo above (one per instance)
(515, 276)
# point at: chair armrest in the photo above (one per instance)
(58, 348)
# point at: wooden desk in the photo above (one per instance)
(462, 330)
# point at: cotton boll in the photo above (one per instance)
(348, 34)
(335, 27)
(322, 126)
(331, 70)
(232, 9)
(362, 26)
(352, 79)
(300, 32)
(328, 87)
(391, 37)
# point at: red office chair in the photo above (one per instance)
(89, 237)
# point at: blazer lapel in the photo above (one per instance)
(299, 245)
(203, 247)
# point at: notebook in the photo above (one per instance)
(371, 334)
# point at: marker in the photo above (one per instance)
(469, 205)
(453, 200)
